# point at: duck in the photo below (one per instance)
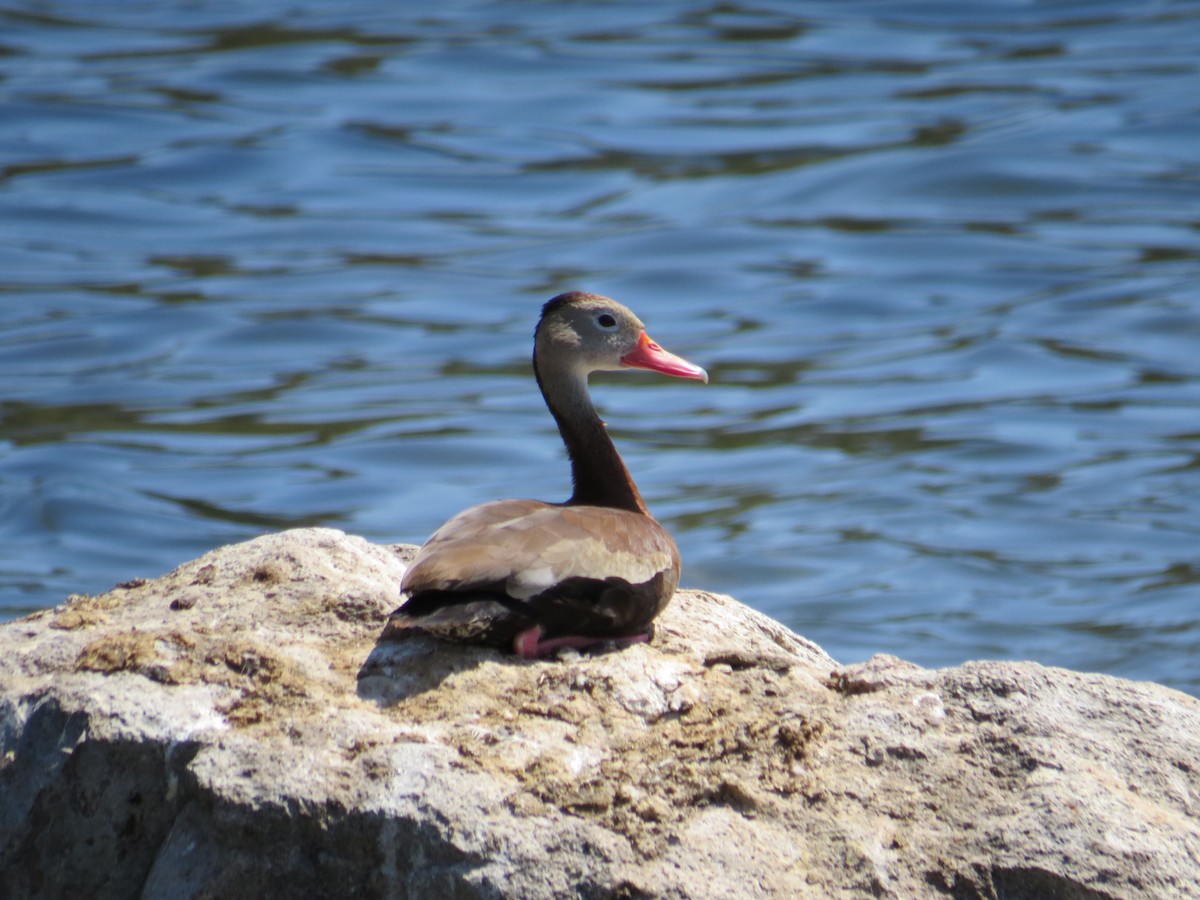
(535, 577)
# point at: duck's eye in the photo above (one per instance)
(604, 320)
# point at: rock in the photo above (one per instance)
(234, 730)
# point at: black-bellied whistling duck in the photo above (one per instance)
(538, 576)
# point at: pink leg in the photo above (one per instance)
(529, 644)
(525, 644)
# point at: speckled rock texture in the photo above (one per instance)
(235, 729)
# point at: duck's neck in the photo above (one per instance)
(597, 471)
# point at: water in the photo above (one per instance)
(267, 265)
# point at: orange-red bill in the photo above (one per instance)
(649, 355)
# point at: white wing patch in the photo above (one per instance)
(531, 582)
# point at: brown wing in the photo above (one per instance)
(527, 547)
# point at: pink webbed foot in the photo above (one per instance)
(528, 644)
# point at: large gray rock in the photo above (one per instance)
(234, 730)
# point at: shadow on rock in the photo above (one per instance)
(398, 668)
(403, 665)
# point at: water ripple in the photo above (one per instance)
(279, 266)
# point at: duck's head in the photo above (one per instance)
(582, 333)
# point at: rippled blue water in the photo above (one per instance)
(276, 264)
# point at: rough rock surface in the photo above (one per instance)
(234, 730)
